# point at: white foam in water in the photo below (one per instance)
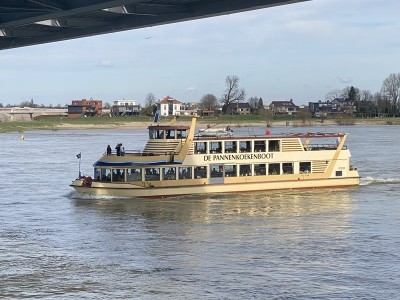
(370, 180)
(84, 196)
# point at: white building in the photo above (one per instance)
(170, 107)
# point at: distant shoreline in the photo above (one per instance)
(202, 123)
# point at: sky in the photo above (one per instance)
(299, 51)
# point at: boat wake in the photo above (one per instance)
(81, 196)
(370, 180)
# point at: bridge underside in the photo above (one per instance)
(30, 22)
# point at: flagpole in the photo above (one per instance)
(79, 157)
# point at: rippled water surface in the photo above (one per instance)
(320, 244)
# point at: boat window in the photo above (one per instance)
(287, 168)
(200, 147)
(134, 174)
(215, 147)
(170, 134)
(181, 134)
(151, 134)
(105, 174)
(274, 169)
(216, 171)
(230, 170)
(152, 174)
(96, 174)
(200, 172)
(245, 146)
(169, 173)
(273, 146)
(259, 146)
(305, 167)
(159, 134)
(339, 173)
(185, 172)
(245, 170)
(230, 146)
(260, 169)
(118, 175)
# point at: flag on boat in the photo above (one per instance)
(78, 156)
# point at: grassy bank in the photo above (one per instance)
(58, 123)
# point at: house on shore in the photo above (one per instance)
(284, 107)
(238, 109)
(169, 106)
(124, 107)
(85, 108)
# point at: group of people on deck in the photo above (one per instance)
(120, 149)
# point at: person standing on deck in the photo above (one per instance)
(118, 148)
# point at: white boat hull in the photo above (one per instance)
(129, 190)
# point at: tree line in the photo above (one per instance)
(385, 102)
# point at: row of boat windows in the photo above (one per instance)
(235, 146)
(212, 171)
(167, 134)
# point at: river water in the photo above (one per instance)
(312, 244)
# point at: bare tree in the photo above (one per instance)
(253, 101)
(366, 95)
(391, 91)
(232, 93)
(208, 102)
(333, 94)
(151, 102)
(304, 114)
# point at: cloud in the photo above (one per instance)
(190, 88)
(105, 63)
(344, 79)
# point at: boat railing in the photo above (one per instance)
(316, 147)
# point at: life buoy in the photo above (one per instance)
(87, 181)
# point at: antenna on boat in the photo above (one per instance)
(78, 156)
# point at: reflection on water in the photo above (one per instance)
(204, 208)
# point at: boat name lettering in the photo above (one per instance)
(216, 157)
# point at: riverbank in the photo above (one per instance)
(143, 122)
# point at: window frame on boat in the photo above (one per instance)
(260, 146)
(200, 172)
(260, 169)
(230, 146)
(216, 171)
(185, 172)
(287, 168)
(118, 175)
(169, 173)
(200, 150)
(245, 170)
(152, 175)
(230, 170)
(305, 167)
(215, 146)
(245, 146)
(274, 145)
(134, 174)
(274, 169)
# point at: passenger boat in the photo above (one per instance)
(177, 161)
